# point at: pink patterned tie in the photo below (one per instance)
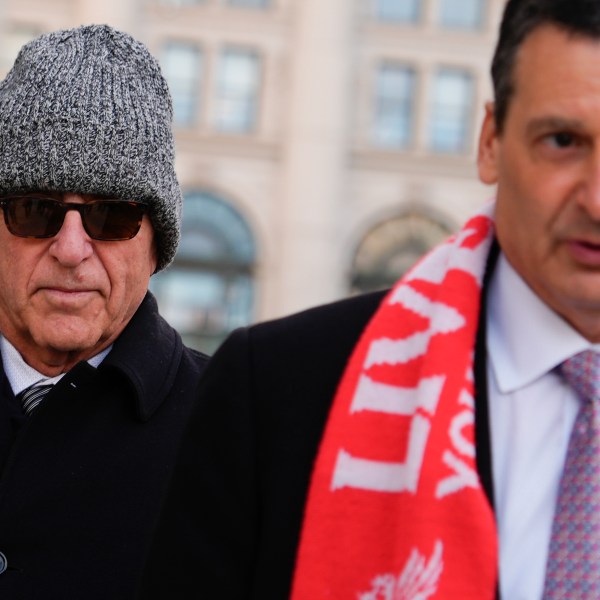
(573, 567)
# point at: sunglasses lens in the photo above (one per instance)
(34, 217)
(107, 220)
(113, 220)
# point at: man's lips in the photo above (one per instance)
(585, 252)
(70, 296)
(64, 290)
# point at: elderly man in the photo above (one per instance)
(441, 441)
(95, 386)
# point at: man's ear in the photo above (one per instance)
(487, 155)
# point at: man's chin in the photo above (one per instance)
(58, 348)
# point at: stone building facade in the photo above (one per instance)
(322, 145)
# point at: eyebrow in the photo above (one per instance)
(545, 124)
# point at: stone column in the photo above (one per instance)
(315, 155)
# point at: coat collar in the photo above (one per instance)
(147, 353)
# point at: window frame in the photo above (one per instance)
(192, 82)
(462, 142)
(481, 9)
(400, 107)
(246, 120)
(383, 12)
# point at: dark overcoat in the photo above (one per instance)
(232, 520)
(83, 477)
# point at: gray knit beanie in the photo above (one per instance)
(87, 110)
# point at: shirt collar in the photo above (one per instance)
(21, 376)
(525, 338)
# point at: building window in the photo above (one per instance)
(181, 2)
(249, 3)
(394, 106)
(391, 248)
(404, 11)
(182, 64)
(451, 111)
(208, 290)
(462, 14)
(237, 90)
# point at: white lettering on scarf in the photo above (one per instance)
(371, 395)
(443, 319)
(464, 476)
(374, 475)
(379, 397)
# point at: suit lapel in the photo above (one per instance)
(482, 426)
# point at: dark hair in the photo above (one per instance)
(521, 17)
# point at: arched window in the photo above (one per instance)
(208, 290)
(390, 248)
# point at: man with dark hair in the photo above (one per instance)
(441, 440)
(95, 387)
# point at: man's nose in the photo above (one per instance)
(71, 245)
(589, 196)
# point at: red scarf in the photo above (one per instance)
(396, 510)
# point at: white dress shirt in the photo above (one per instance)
(532, 411)
(21, 376)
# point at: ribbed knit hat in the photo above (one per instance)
(87, 110)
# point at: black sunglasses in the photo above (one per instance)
(40, 217)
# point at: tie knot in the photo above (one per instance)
(582, 373)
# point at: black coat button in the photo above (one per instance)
(3, 563)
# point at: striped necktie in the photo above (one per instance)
(573, 567)
(30, 397)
